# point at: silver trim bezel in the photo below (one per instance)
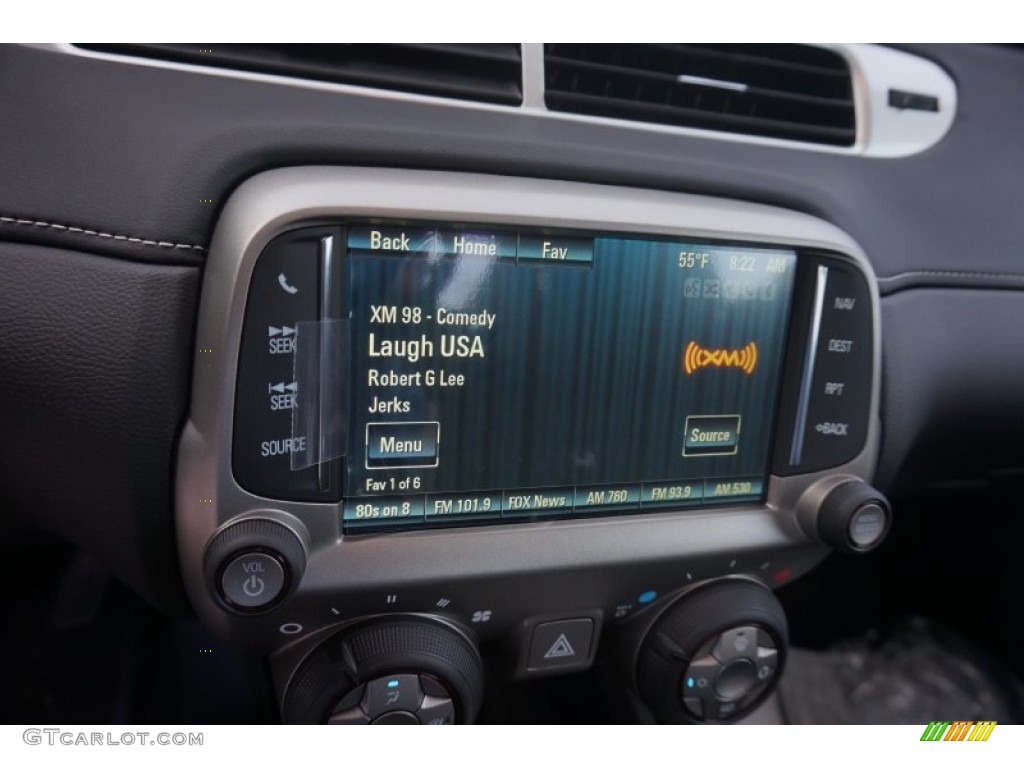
(803, 404)
(274, 201)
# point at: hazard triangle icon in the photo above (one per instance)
(560, 649)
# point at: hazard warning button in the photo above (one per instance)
(561, 645)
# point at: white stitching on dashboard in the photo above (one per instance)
(952, 273)
(107, 235)
(187, 246)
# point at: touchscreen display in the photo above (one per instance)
(513, 374)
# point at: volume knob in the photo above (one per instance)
(253, 565)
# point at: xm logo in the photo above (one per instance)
(697, 357)
(959, 730)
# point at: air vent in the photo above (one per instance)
(476, 72)
(797, 92)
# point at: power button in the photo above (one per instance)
(252, 580)
(254, 564)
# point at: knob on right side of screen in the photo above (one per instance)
(847, 514)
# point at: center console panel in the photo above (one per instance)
(434, 413)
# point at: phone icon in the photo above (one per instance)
(283, 282)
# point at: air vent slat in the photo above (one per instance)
(586, 68)
(802, 93)
(757, 56)
(479, 72)
(695, 118)
(508, 54)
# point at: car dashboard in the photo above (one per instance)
(424, 381)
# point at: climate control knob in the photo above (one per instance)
(399, 670)
(714, 655)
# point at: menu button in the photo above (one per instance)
(402, 444)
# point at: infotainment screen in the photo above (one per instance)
(509, 374)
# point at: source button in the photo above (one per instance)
(711, 436)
